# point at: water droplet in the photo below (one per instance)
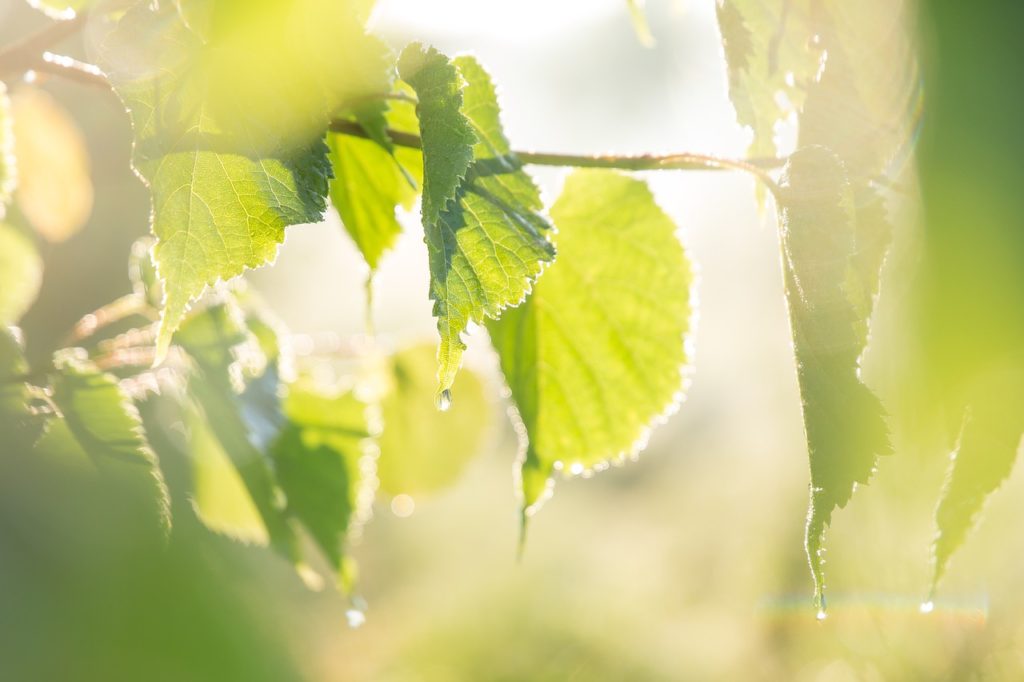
(444, 400)
(403, 506)
(927, 607)
(355, 618)
(576, 469)
(821, 615)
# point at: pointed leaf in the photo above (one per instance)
(844, 421)
(422, 450)
(594, 357)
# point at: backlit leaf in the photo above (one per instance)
(843, 420)
(594, 356)
(21, 273)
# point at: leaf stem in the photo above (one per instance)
(639, 162)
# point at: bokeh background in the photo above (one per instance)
(686, 565)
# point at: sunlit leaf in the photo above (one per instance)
(324, 461)
(594, 356)
(21, 273)
(228, 111)
(54, 188)
(485, 236)
(421, 450)
(370, 183)
(21, 408)
(843, 420)
(640, 25)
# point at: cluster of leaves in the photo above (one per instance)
(592, 359)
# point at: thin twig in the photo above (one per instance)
(24, 54)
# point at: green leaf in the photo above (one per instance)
(422, 451)
(21, 273)
(769, 50)
(447, 135)
(371, 182)
(843, 420)
(107, 428)
(324, 460)
(489, 245)
(594, 357)
(228, 359)
(228, 110)
(8, 172)
(983, 459)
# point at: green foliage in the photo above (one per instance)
(21, 273)
(844, 421)
(592, 358)
(371, 182)
(422, 451)
(229, 164)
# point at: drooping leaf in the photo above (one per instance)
(488, 245)
(325, 463)
(225, 354)
(843, 420)
(422, 451)
(983, 459)
(594, 356)
(8, 171)
(54, 188)
(21, 273)
(371, 182)
(107, 428)
(229, 102)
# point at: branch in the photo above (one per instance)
(24, 55)
(640, 162)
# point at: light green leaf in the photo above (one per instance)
(371, 182)
(325, 463)
(21, 273)
(594, 357)
(447, 135)
(8, 169)
(984, 456)
(489, 245)
(228, 110)
(107, 428)
(422, 451)
(844, 421)
(640, 25)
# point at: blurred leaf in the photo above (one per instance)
(228, 111)
(594, 357)
(21, 273)
(21, 420)
(640, 25)
(488, 246)
(769, 51)
(107, 428)
(142, 273)
(422, 451)
(843, 420)
(224, 352)
(370, 183)
(325, 465)
(54, 188)
(8, 171)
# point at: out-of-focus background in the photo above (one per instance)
(687, 564)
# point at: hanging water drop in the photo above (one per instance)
(821, 615)
(927, 607)
(444, 400)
